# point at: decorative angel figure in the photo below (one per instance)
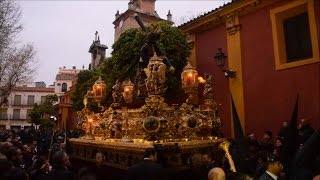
(116, 93)
(208, 87)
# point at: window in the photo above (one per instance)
(16, 114)
(30, 99)
(28, 112)
(17, 100)
(64, 87)
(16, 128)
(43, 99)
(3, 114)
(297, 38)
(294, 34)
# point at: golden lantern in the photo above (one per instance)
(189, 77)
(190, 83)
(89, 135)
(99, 90)
(128, 91)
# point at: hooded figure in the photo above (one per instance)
(303, 161)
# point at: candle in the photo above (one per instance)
(98, 92)
(189, 78)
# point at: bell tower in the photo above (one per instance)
(98, 52)
(144, 8)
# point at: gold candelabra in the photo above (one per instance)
(90, 133)
(225, 146)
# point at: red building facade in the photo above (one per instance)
(261, 40)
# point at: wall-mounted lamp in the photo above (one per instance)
(220, 59)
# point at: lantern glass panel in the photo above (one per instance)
(99, 88)
(128, 92)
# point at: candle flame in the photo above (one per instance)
(201, 80)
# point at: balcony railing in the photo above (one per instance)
(3, 118)
(23, 104)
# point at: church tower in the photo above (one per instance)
(146, 11)
(98, 52)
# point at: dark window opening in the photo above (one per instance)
(64, 87)
(297, 38)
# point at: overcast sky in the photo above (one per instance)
(62, 31)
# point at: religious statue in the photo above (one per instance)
(150, 47)
(139, 82)
(152, 79)
(96, 36)
(116, 92)
(208, 92)
(155, 76)
(147, 51)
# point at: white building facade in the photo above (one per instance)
(64, 79)
(20, 103)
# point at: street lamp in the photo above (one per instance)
(220, 59)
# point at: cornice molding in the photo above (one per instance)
(221, 15)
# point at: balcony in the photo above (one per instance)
(3, 118)
(23, 104)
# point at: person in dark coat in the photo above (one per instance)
(148, 168)
(40, 167)
(304, 131)
(266, 143)
(60, 162)
(279, 151)
(209, 160)
(5, 165)
(284, 129)
(274, 168)
(98, 169)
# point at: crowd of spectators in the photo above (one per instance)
(38, 154)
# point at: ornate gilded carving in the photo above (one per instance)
(122, 155)
(156, 76)
(117, 94)
(208, 87)
(177, 131)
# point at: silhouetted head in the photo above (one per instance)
(267, 134)
(150, 154)
(60, 159)
(274, 165)
(285, 124)
(100, 157)
(207, 157)
(303, 122)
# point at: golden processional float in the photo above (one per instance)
(177, 132)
